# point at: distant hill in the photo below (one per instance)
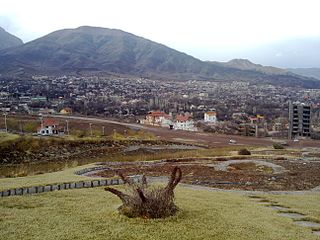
(308, 72)
(299, 52)
(245, 64)
(93, 49)
(8, 40)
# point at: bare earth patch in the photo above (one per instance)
(271, 175)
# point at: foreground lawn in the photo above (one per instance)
(91, 214)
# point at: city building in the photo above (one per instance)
(299, 120)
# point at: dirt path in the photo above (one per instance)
(223, 166)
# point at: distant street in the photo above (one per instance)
(208, 139)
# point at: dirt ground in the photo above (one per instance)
(207, 139)
(222, 140)
(76, 127)
(298, 175)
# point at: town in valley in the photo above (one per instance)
(236, 107)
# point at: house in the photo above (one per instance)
(50, 127)
(46, 111)
(253, 120)
(256, 119)
(184, 122)
(158, 118)
(240, 116)
(210, 116)
(181, 122)
(66, 111)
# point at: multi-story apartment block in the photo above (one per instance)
(299, 120)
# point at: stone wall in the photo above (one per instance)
(64, 186)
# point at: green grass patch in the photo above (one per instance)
(92, 214)
(8, 137)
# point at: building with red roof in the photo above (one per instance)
(181, 121)
(184, 122)
(49, 127)
(158, 118)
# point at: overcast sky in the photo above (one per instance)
(207, 29)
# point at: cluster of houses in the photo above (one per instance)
(179, 122)
(161, 119)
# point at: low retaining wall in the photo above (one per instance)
(64, 186)
(92, 169)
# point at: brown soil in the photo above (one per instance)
(300, 175)
(249, 166)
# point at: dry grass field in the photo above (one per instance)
(92, 214)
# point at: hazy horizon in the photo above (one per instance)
(281, 34)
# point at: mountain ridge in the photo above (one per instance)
(307, 72)
(245, 64)
(112, 50)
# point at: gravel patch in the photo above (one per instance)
(279, 208)
(317, 233)
(307, 224)
(292, 215)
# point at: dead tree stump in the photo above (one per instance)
(148, 202)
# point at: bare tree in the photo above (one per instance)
(148, 202)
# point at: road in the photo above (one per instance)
(208, 139)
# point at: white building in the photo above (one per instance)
(157, 118)
(210, 117)
(184, 123)
(50, 127)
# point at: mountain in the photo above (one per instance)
(300, 52)
(93, 49)
(245, 64)
(308, 72)
(99, 49)
(8, 40)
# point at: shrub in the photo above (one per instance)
(148, 202)
(278, 146)
(30, 127)
(244, 151)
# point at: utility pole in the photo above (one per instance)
(67, 121)
(102, 130)
(21, 128)
(90, 125)
(41, 120)
(5, 122)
